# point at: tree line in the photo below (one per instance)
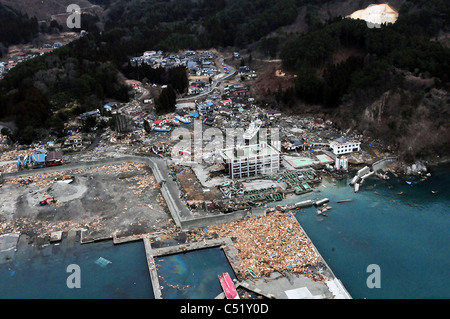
(15, 28)
(375, 50)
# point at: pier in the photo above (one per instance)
(152, 269)
(151, 253)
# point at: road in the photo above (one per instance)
(220, 78)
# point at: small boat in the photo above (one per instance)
(408, 182)
(400, 193)
(321, 212)
(228, 286)
(434, 192)
(345, 200)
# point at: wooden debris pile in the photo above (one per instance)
(267, 244)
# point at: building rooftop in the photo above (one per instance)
(343, 140)
(249, 151)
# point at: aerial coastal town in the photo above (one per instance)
(220, 169)
(135, 183)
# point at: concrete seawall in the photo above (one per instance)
(225, 243)
(335, 285)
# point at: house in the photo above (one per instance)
(244, 70)
(226, 102)
(73, 142)
(193, 90)
(344, 146)
(194, 114)
(185, 106)
(109, 106)
(85, 115)
(44, 51)
(225, 111)
(273, 114)
(159, 122)
(208, 121)
(192, 65)
(241, 92)
(296, 144)
(149, 54)
(53, 158)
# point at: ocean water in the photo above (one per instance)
(44, 274)
(196, 273)
(407, 235)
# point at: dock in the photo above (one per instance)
(152, 269)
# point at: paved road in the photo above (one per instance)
(215, 83)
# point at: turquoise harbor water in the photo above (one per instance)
(406, 235)
(44, 275)
(193, 275)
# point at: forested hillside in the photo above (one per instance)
(343, 67)
(393, 81)
(15, 27)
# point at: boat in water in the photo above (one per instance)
(228, 286)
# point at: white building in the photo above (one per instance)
(252, 131)
(251, 160)
(341, 163)
(344, 146)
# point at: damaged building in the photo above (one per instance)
(250, 160)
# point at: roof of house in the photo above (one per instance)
(54, 155)
(342, 140)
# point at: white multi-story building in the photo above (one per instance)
(251, 160)
(344, 146)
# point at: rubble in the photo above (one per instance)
(275, 242)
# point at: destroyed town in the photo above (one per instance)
(198, 159)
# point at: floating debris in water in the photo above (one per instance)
(102, 262)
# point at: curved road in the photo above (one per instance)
(215, 83)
